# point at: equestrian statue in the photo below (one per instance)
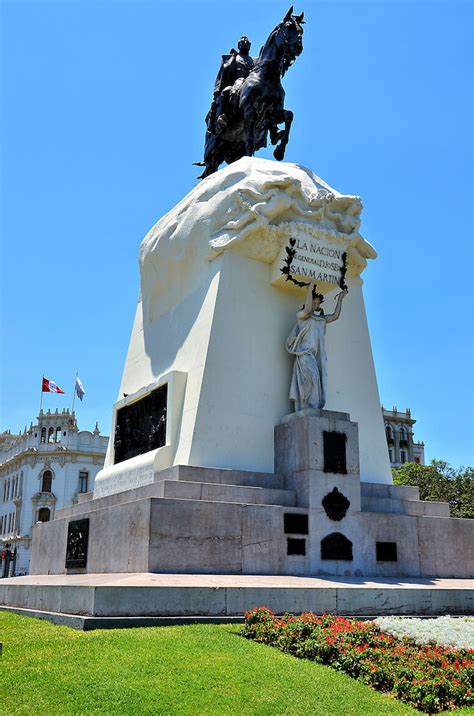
(248, 101)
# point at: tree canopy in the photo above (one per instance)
(441, 482)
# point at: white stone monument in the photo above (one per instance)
(210, 470)
(215, 310)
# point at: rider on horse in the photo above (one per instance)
(248, 100)
(235, 67)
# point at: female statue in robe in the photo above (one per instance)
(307, 343)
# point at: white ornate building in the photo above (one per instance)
(41, 470)
(399, 434)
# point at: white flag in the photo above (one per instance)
(80, 392)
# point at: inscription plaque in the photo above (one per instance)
(335, 452)
(307, 259)
(141, 426)
(77, 543)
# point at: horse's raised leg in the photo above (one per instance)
(275, 133)
(286, 116)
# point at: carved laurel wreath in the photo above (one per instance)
(290, 255)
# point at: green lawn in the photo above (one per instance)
(172, 670)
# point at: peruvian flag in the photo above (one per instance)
(49, 386)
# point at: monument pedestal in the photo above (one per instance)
(197, 479)
(215, 310)
(312, 517)
(187, 544)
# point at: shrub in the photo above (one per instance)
(430, 677)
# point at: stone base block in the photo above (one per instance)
(120, 596)
(216, 521)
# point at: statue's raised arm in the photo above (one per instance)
(337, 311)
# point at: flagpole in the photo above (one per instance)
(74, 393)
(41, 394)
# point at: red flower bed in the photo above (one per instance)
(432, 678)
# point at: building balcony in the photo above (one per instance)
(44, 497)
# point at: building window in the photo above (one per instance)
(83, 481)
(43, 435)
(51, 435)
(403, 456)
(58, 435)
(44, 514)
(47, 480)
(390, 454)
(403, 437)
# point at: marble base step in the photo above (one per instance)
(188, 474)
(397, 492)
(228, 596)
(242, 494)
(404, 507)
(223, 476)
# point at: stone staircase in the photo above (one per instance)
(185, 482)
(399, 499)
(243, 494)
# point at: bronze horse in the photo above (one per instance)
(256, 107)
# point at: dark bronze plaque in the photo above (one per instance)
(335, 452)
(295, 523)
(386, 551)
(296, 546)
(335, 505)
(141, 426)
(77, 542)
(336, 546)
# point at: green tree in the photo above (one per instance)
(441, 482)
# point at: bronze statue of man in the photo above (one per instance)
(248, 101)
(235, 67)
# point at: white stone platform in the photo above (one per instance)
(98, 600)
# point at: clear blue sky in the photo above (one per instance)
(103, 106)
